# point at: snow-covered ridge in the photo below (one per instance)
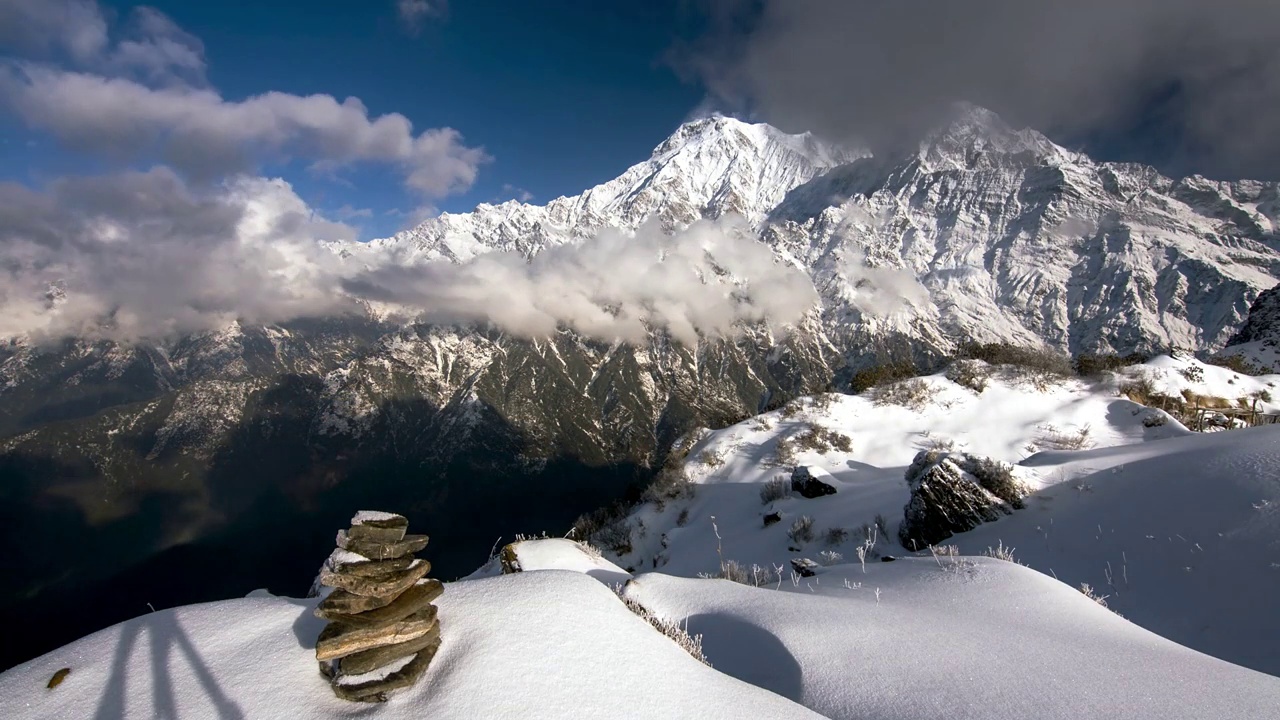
(985, 232)
(1109, 478)
(707, 168)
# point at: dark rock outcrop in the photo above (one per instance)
(804, 567)
(954, 493)
(1263, 323)
(808, 486)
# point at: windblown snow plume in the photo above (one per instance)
(707, 280)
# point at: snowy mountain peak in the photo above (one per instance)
(707, 168)
(976, 137)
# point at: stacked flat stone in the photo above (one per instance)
(382, 630)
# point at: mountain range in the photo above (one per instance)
(121, 463)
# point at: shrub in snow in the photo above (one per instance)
(784, 452)
(1058, 439)
(774, 490)
(792, 408)
(972, 374)
(672, 483)
(997, 478)
(822, 401)
(801, 531)
(837, 536)
(830, 557)
(1090, 365)
(606, 527)
(1001, 552)
(822, 439)
(914, 394)
(733, 570)
(1193, 373)
(711, 458)
(1155, 419)
(1040, 367)
(882, 374)
(691, 644)
(1235, 363)
(948, 498)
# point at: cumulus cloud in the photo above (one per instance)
(143, 99)
(413, 13)
(708, 280)
(1189, 83)
(143, 255)
(75, 28)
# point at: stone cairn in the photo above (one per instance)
(382, 630)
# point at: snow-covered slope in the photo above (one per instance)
(537, 645)
(1093, 516)
(910, 640)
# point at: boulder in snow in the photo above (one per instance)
(804, 567)
(954, 493)
(804, 480)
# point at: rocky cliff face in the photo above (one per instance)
(1258, 342)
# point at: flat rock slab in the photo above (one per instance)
(414, 599)
(379, 585)
(369, 568)
(349, 603)
(338, 640)
(377, 518)
(381, 551)
(370, 660)
(380, 690)
(376, 534)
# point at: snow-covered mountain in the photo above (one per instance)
(707, 169)
(981, 232)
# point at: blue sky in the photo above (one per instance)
(561, 94)
(553, 97)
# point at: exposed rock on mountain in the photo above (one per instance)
(1258, 342)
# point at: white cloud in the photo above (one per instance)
(76, 28)
(413, 13)
(145, 100)
(142, 254)
(708, 280)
